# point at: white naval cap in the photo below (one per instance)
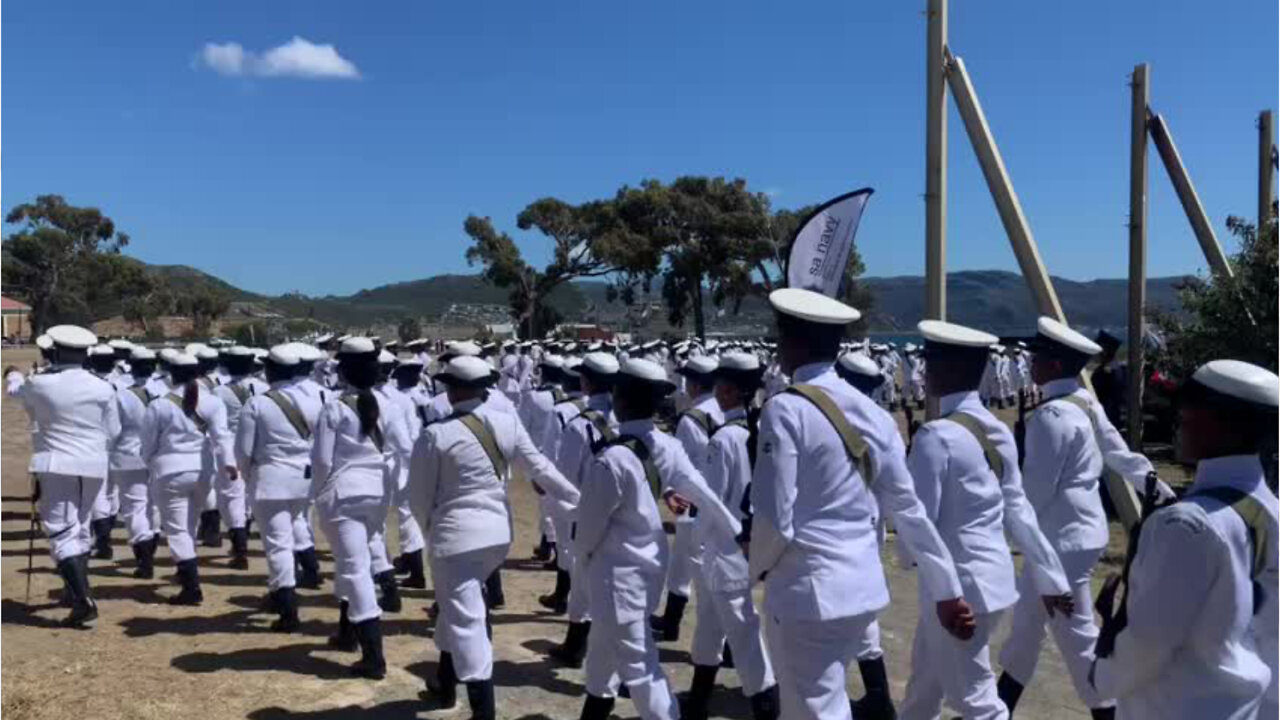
(357, 346)
(120, 344)
(859, 364)
(1241, 381)
(194, 349)
(1058, 334)
(103, 349)
(945, 333)
(167, 354)
(258, 353)
(651, 344)
(699, 366)
(386, 358)
(72, 337)
(408, 361)
(571, 367)
(550, 360)
(206, 353)
(238, 351)
(140, 353)
(285, 355)
(306, 352)
(812, 307)
(324, 338)
(466, 371)
(600, 364)
(183, 359)
(44, 342)
(463, 348)
(737, 362)
(648, 372)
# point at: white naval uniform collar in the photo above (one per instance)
(1242, 472)
(469, 405)
(281, 384)
(59, 367)
(1061, 387)
(948, 404)
(600, 401)
(805, 373)
(703, 398)
(735, 413)
(636, 427)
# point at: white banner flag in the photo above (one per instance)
(820, 250)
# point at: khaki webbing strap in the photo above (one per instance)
(141, 393)
(968, 422)
(601, 425)
(241, 392)
(1254, 516)
(201, 424)
(291, 412)
(557, 395)
(641, 451)
(487, 441)
(854, 444)
(376, 436)
(701, 419)
(206, 382)
(736, 422)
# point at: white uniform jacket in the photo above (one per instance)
(78, 418)
(694, 440)
(127, 448)
(574, 450)
(1189, 649)
(536, 411)
(270, 447)
(346, 462)
(174, 443)
(230, 393)
(814, 529)
(973, 509)
(728, 474)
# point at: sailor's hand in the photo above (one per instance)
(957, 617)
(232, 472)
(1164, 493)
(677, 504)
(1063, 603)
(537, 488)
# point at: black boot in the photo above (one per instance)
(551, 563)
(239, 549)
(1009, 690)
(877, 704)
(1102, 713)
(442, 690)
(399, 565)
(210, 530)
(494, 598)
(101, 530)
(84, 611)
(726, 656)
(596, 708)
(144, 553)
(695, 702)
(574, 648)
(286, 603)
(480, 695)
(666, 627)
(558, 601)
(345, 638)
(308, 569)
(390, 600)
(371, 663)
(413, 566)
(189, 578)
(764, 704)
(542, 552)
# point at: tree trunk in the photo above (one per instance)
(695, 298)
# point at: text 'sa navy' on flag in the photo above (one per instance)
(820, 249)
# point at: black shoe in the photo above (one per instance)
(552, 562)
(84, 611)
(764, 704)
(286, 603)
(494, 597)
(877, 704)
(666, 627)
(144, 553)
(101, 530)
(399, 565)
(239, 548)
(558, 601)
(480, 695)
(694, 705)
(210, 529)
(542, 552)
(726, 657)
(308, 569)
(574, 648)
(442, 690)
(189, 578)
(433, 612)
(390, 600)
(371, 663)
(596, 708)
(345, 638)
(413, 568)
(1010, 691)
(248, 526)
(1101, 713)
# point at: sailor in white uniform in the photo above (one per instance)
(77, 420)
(459, 475)
(357, 437)
(231, 503)
(693, 429)
(398, 390)
(128, 468)
(106, 506)
(965, 468)
(725, 609)
(563, 411)
(536, 411)
(1197, 638)
(187, 445)
(813, 541)
(1069, 444)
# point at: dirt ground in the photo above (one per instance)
(149, 661)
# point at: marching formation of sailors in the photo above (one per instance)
(780, 462)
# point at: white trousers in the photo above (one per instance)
(579, 603)
(731, 616)
(686, 556)
(957, 671)
(625, 651)
(278, 524)
(181, 499)
(811, 659)
(303, 536)
(135, 503)
(231, 500)
(460, 629)
(1075, 635)
(547, 525)
(353, 527)
(66, 507)
(410, 531)
(107, 503)
(564, 549)
(867, 645)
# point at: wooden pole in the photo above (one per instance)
(935, 144)
(1265, 171)
(1001, 187)
(1187, 196)
(1137, 248)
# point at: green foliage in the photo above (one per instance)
(1223, 318)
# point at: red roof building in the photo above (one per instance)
(15, 319)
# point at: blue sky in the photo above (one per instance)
(436, 110)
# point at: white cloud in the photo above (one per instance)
(297, 58)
